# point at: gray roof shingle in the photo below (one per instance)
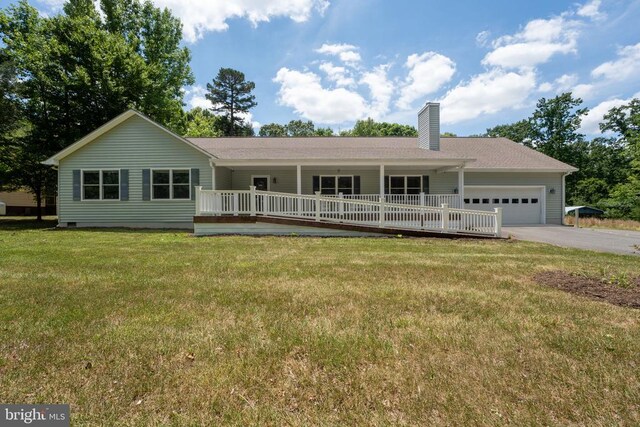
(486, 153)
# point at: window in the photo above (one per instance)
(505, 201)
(496, 201)
(485, 201)
(466, 200)
(525, 200)
(336, 184)
(101, 185)
(515, 201)
(534, 201)
(476, 201)
(404, 184)
(169, 184)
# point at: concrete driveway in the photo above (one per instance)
(614, 241)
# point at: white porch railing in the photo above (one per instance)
(421, 199)
(345, 210)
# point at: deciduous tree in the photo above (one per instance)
(79, 69)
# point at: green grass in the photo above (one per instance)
(161, 328)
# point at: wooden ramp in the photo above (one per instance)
(274, 225)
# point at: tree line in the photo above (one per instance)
(609, 166)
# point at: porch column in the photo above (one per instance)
(381, 180)
(461, 186)
(213, 176)
(299, 178)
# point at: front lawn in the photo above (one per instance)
(148, 328)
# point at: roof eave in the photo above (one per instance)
(525, 169)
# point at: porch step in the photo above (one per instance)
(229, 224)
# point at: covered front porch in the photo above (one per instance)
(426, 184)
(422, 195)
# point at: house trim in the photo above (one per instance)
(532, 170)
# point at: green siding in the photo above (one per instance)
(135, 145)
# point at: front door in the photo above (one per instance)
(261, 183)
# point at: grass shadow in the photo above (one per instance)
(15, 223)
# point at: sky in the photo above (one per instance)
(486, 62)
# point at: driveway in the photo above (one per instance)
(614, 241)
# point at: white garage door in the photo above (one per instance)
(520, 205)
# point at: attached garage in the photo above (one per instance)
(520, 204)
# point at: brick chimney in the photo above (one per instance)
(429, 127)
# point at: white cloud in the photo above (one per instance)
(564, 83)
(339, 75)
(545, 87)
(487, 93)
(201, 16)
(303, 92)
(591, 10)
(482, 38)
(583, 91)
(427, 74)
(346, 52)
(624, 67)
(194, 96)
(535, 44)
(591, 122)
(381, 90)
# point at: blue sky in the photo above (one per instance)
(335, 61)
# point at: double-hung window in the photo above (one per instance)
(100, 185)
(400, 184)
(335, 184)
(171, 184)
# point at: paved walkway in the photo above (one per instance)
(614, 241)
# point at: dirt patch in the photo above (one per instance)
(623, 292)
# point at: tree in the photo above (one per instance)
(9, 119)
(520, 132)
(607, 159)
(625, 121)
(295, 128)
(624, 200)
(555, 124)
(324, 132)
(231, 95)
(370, 127)
(77, 70)
(590, 191)
(299, 128)
(273, 130)
(202, 123)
